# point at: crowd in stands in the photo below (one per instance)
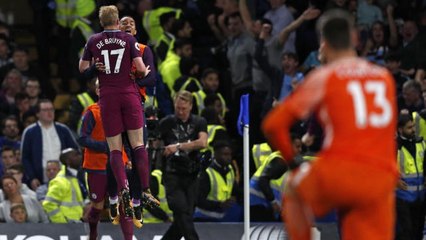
(217, 49)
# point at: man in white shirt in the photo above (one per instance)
(43, 141)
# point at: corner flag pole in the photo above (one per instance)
(244, 123)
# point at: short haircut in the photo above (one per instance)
(210, 114)
(32, 79)
(184, 96)
(18, 167)
(16, 207)
(403, 119)
(43, 100)
(54, 161)
(186, 64)
(8, 118)
(336, 26)
(232, 15)
(21, 48)
(412, 84)
(8, 148)
(210, 99)
(181, 42)
(209, 71)
(166, 17)
(221, 144)
(291, 55)
(108, 15)
(21, 96)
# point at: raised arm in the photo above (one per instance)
(211, 19)
(393, 37)
(308, 14)
(245, 15)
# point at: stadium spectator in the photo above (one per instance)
(412, 49)
(411, 98)
(393, 63)
(32, 88)
(13, 197)
(17, 171)
(5, 52)
(368, 13)
(379, 43)
(10, 130)
(8, 158)
(11, 85)
(21, 62)
(18, 213)
(22, 106)
(43, 141)
(52, 169)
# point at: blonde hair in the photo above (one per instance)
(108, 15)
(184, 96)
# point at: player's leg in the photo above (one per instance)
(303, 200)
(113, 196)
(97, 188)
(297, 216)
(126, 225)
(133, 122)
(372, 221)
(112, 119)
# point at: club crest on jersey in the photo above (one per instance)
(94, 196)
(137, 46)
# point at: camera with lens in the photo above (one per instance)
(152, 123)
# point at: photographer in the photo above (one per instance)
(184, 135)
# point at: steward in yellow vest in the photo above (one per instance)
(267, 185)
(67, 192)
(420, 123)
(165, 42)
(410, 193)
(218, 190)
(151, 22)
(260, 153)
(169, 69)
(210, 83)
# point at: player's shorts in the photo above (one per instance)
(363, 196)
(97, 186)
(121, 112)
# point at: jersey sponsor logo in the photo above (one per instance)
(137, 46)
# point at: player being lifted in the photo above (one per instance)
(119, 100)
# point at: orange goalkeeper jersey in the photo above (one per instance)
(355, 102)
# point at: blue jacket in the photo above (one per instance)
(32, 148)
